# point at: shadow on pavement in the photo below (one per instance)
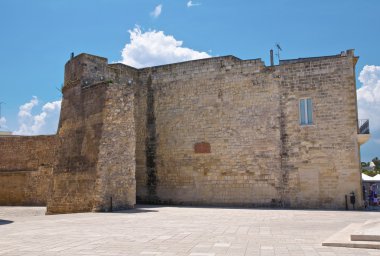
(145, 207)
(136, 210)
(4, 222)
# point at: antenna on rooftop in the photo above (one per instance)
(279, 49)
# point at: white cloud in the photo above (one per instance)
(3, 122)
(369, 97)
(52, 106)
(45, 122)
(191, 4)
(157, 11)
(154, 48)
(25, 110)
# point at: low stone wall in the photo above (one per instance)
(26, 164)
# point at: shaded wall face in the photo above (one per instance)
(80, 129)
(26, 164)
(79, 133)
(216, 135)
(320, 161)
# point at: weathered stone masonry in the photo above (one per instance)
(218, 131)
(26, 166)
(96, 157)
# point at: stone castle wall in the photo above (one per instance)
(218, 131)
(26, 165)
(248, 117)
(230, 105)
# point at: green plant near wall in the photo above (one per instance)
(370, 173)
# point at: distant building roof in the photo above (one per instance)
(376, 178)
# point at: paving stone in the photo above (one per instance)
(179, 231)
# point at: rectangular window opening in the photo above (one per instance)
(306, 111)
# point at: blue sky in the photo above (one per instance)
(37, 37)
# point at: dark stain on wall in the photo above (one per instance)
(151, 146)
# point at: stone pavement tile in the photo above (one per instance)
(181, 231)
(373, 252)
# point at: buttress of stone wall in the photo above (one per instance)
(26, 164)
(116, 183)
(320, 162)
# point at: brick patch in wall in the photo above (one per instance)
(202, 148)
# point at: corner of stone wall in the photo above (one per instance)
(115, 187)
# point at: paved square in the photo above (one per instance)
(159, 230)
